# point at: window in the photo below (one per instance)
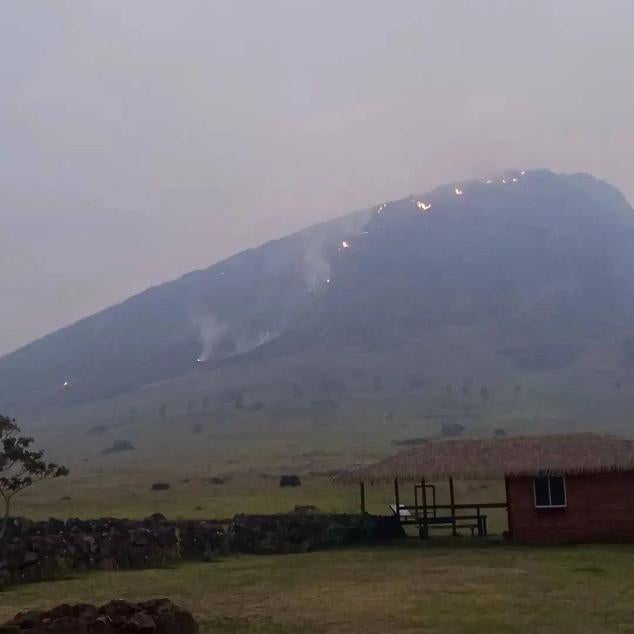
(550, 492)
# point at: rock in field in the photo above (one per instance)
(290, 481)
(157, 616)
(118, 446)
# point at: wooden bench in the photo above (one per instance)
(403, 512)
(472, 522)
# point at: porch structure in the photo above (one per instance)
(539, 464)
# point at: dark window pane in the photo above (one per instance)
(541, 492)
(557, 491)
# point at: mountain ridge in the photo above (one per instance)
(529, 256)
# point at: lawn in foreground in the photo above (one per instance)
(401, 588)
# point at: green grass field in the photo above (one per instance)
(412, 587)
(446, 586)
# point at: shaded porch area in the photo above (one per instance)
(417, 505)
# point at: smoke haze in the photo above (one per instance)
(142, 140)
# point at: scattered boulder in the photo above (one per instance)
(322, 405)
(452, 429)
(215, 480)
(118, 446)
(96, 430)
(290, 481)
(66, 498)
(306, 509)
(410, 442)
(499, 432)
(161, 486)
(159, 615)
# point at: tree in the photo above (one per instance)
(163, 411)
(377, 384)
(20, 466)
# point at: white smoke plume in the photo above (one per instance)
(210, 331)
(246, 344)
(322, 244)
(316, 265)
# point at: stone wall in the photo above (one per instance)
(292, 533)
(35, 551)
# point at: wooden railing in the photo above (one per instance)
(431, 515)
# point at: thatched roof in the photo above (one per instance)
(492, 458)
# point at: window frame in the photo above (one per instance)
(551, 505)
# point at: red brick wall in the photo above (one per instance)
(600, 507)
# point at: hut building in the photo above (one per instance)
(559, 488)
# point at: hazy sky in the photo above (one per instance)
(144, 138)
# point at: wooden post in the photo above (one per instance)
(362, 493)
(397, 500)
(509, 519)
(452, 499)
(423, 487)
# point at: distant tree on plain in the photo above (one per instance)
(332, 386)
(132, 415)
(484, 393)
(415, 382)
(163, 411)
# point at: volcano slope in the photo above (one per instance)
(503, 303)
